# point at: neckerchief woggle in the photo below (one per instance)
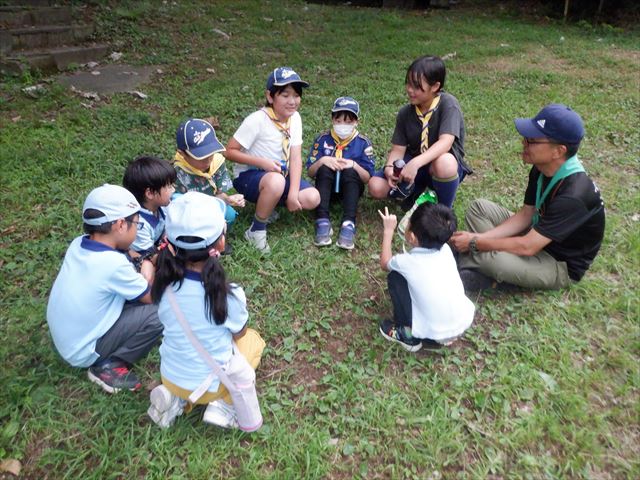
(286, 138)
(218, 160)
(340, 144)
(571, 166)
(424, 119)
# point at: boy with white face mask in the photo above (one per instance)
(341, 161)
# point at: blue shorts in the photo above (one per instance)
(423, 179)
(248, 184)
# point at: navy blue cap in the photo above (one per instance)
(346, 104)
(284, 76)
(556, 122)
(198, 138)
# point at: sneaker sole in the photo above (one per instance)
(345, 247)
(323, 244)
(408, 348)
(108, 388)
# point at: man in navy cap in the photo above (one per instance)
(553, 239)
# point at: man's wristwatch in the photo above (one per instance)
(473, 245)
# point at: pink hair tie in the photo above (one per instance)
(214, 253)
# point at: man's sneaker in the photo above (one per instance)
(395, 334)
(346, 235)
(475, 281)
(323, 233)
(220, 413)
(113, 376)
(165, 406)
(258, 239)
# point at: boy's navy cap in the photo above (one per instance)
(195, 214)
(113, 200)
(284, 76)
(556, 122)
(198, 138)
(346, 104)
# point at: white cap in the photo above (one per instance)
(112, 200)
(195, 214)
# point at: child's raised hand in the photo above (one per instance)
(389, 221)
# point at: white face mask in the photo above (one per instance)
(344, 130)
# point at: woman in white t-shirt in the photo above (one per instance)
(267, 151)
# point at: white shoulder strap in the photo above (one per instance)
(216, 369)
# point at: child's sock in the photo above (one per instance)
(446, 189)
(259, 224)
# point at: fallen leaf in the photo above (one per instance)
(220, 32)
(91, 65)
(215, 123)
(211, 70)
(449, 55)
(115, 56)
(95, 72)
(11, 466)
(138, 94)
(16, 118)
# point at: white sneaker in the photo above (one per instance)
(258, 239)
(220, 413)
(165, 406)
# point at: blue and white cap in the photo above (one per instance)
(113, 201)
(198, 138)
(284, 76)
(195, 214)
(346, 104)
(555, 122)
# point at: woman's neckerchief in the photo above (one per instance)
(286, 137)
(218, 160)
(569, 167)
(424, 119)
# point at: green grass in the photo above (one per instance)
(545, 384)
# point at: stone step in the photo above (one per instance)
(47, 36)
(51, 60)
(15, 16)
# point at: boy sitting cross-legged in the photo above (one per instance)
(430, 308)
(98, 311)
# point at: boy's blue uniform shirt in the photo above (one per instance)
(359, 150)
(180, 363)
(151, 230)
(88, 296)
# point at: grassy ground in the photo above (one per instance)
(545, 385)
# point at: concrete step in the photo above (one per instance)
(51, 60)
(47, 36)
(17, 16)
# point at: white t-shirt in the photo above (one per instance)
(260, 137)
(88, 296)
(180, 362)
(440, 309)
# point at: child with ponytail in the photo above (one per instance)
(190, 275)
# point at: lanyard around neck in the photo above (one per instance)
(571, 166)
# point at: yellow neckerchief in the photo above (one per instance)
(424, 119)
(218, 160)
(286, 136)
(340, 144)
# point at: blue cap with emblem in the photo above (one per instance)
(284, 76)
(198, 139)
(346, 104)
(555, 122)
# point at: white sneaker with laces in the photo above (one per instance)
(165, 406)
(258, 239)
(220, 413)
